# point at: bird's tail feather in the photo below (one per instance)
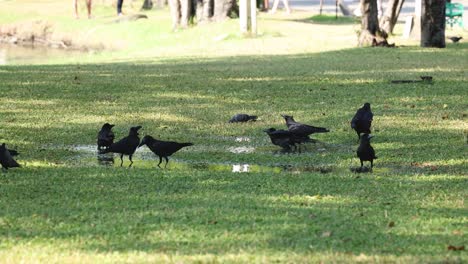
(13, 152)
(186, 144)
(253, 118)
(321, 130)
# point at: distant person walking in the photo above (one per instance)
(119, 7)
(88, 7)
(275, 6)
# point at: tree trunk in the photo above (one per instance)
(390, 17)
(222, 9)
(147, 5)
(369, 22)
(433, 23)
(180, 12)
(204, 10)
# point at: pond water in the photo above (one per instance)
(14, 54)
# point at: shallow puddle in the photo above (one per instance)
(144, 158)
(243, 149)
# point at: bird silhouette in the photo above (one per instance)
(242, 118)
(455, 39)
(6, 158)
(126, 146)
(282, 138)
(301, 131)
(105, 137)
(163, 149)
(362, 120)
(365, 151)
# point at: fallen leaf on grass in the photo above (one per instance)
(391, 224)
(455, 248)
(326, 234)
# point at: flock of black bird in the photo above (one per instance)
(295, 135)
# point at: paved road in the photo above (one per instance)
(329, 5)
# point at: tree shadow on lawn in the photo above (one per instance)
(188, 99)
(200, 212)
(196, 211)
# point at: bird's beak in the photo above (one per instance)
(141, 144)
(370, 136)
(112, 126)
(284, 116)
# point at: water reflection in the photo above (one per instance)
(240, 168)
(15, 54)
(105, 159)
(143, 158)
(243, 149)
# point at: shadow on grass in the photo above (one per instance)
(201, 213)
(195, 211)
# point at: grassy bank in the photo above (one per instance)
(62, 206)
(153, 38)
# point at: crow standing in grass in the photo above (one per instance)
(105, 137)
(362, 120)
(300, 131)
(242, 118)
(365, 151)
(6, 157)
(163, 149)
(455, 39)
(282, 138)
(126, 146)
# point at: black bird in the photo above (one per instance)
(300, 131)
(126, 146)
(105, 136)
(282, 138)
(362, 120)
(13, 152)
(365, 151)
(6, 158)
(455, 39)
(163, 149)
(242, 118)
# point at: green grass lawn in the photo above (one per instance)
(62, 207)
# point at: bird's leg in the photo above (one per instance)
(358, 137)
(160, 160)
(362, 165)
(371, 165)
(167, 161)
(121, 160)
(131, 161)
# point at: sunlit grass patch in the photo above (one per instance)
(329, 19)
